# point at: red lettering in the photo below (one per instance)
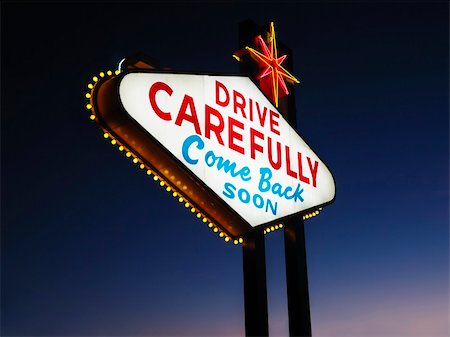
(238, 105)
(210, 127)
(262, 118)
(253, 146)
(226, 101)
(232, 135)
(313, 170)
(274, 122)
(250, 105)
(300, 169)
(288, 164)
(183, 116)
(276, 165)
(152, 96)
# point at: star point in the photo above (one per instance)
(270, 63)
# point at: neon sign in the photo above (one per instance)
(270, 62)
(215, 142)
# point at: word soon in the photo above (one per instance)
(245, 197)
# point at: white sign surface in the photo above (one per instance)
(229, 135)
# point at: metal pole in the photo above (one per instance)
(253, 249)
(255, 289)
(297, 278)
(294, 242)
(294, 238)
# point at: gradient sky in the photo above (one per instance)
(93, 247)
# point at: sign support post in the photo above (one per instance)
(255, 288)
(294, 232)
(297, 278)
(295, 248)
(253, 249)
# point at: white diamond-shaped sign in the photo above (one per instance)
(231, 139)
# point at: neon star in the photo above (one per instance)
(269, 60)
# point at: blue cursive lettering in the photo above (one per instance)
(187, 144)
(287, 192)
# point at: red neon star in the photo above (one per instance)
(273, 86)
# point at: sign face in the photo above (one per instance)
(230, 139)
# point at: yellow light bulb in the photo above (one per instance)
(168, 189)
(227, 239)
(128, 154)
(109, 72)
(89, 106)
(95, 78)
(161, 183)
(272, 228)
(105, 135)
(199, 215)
(281, 225)
(135, 160)
(90, 86)
(210, 225)
(155, 178)
(205, 220)
(102, 74)
(186, 205)
(88, 95)
(142, 166)
(221, 234)
(235, 242)
(241, 240)
(175, 194)
(92, 117)
(180, 199)
(121, 148)
(113, 142)
(268, 230)
(276, 226)
(192, 210)
(265, 232)
(117, 72)
(215, 230)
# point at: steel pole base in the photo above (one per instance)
(297, 278)
(255, 287)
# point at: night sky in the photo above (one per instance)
(91, 246)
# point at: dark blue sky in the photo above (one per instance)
(93, 247)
